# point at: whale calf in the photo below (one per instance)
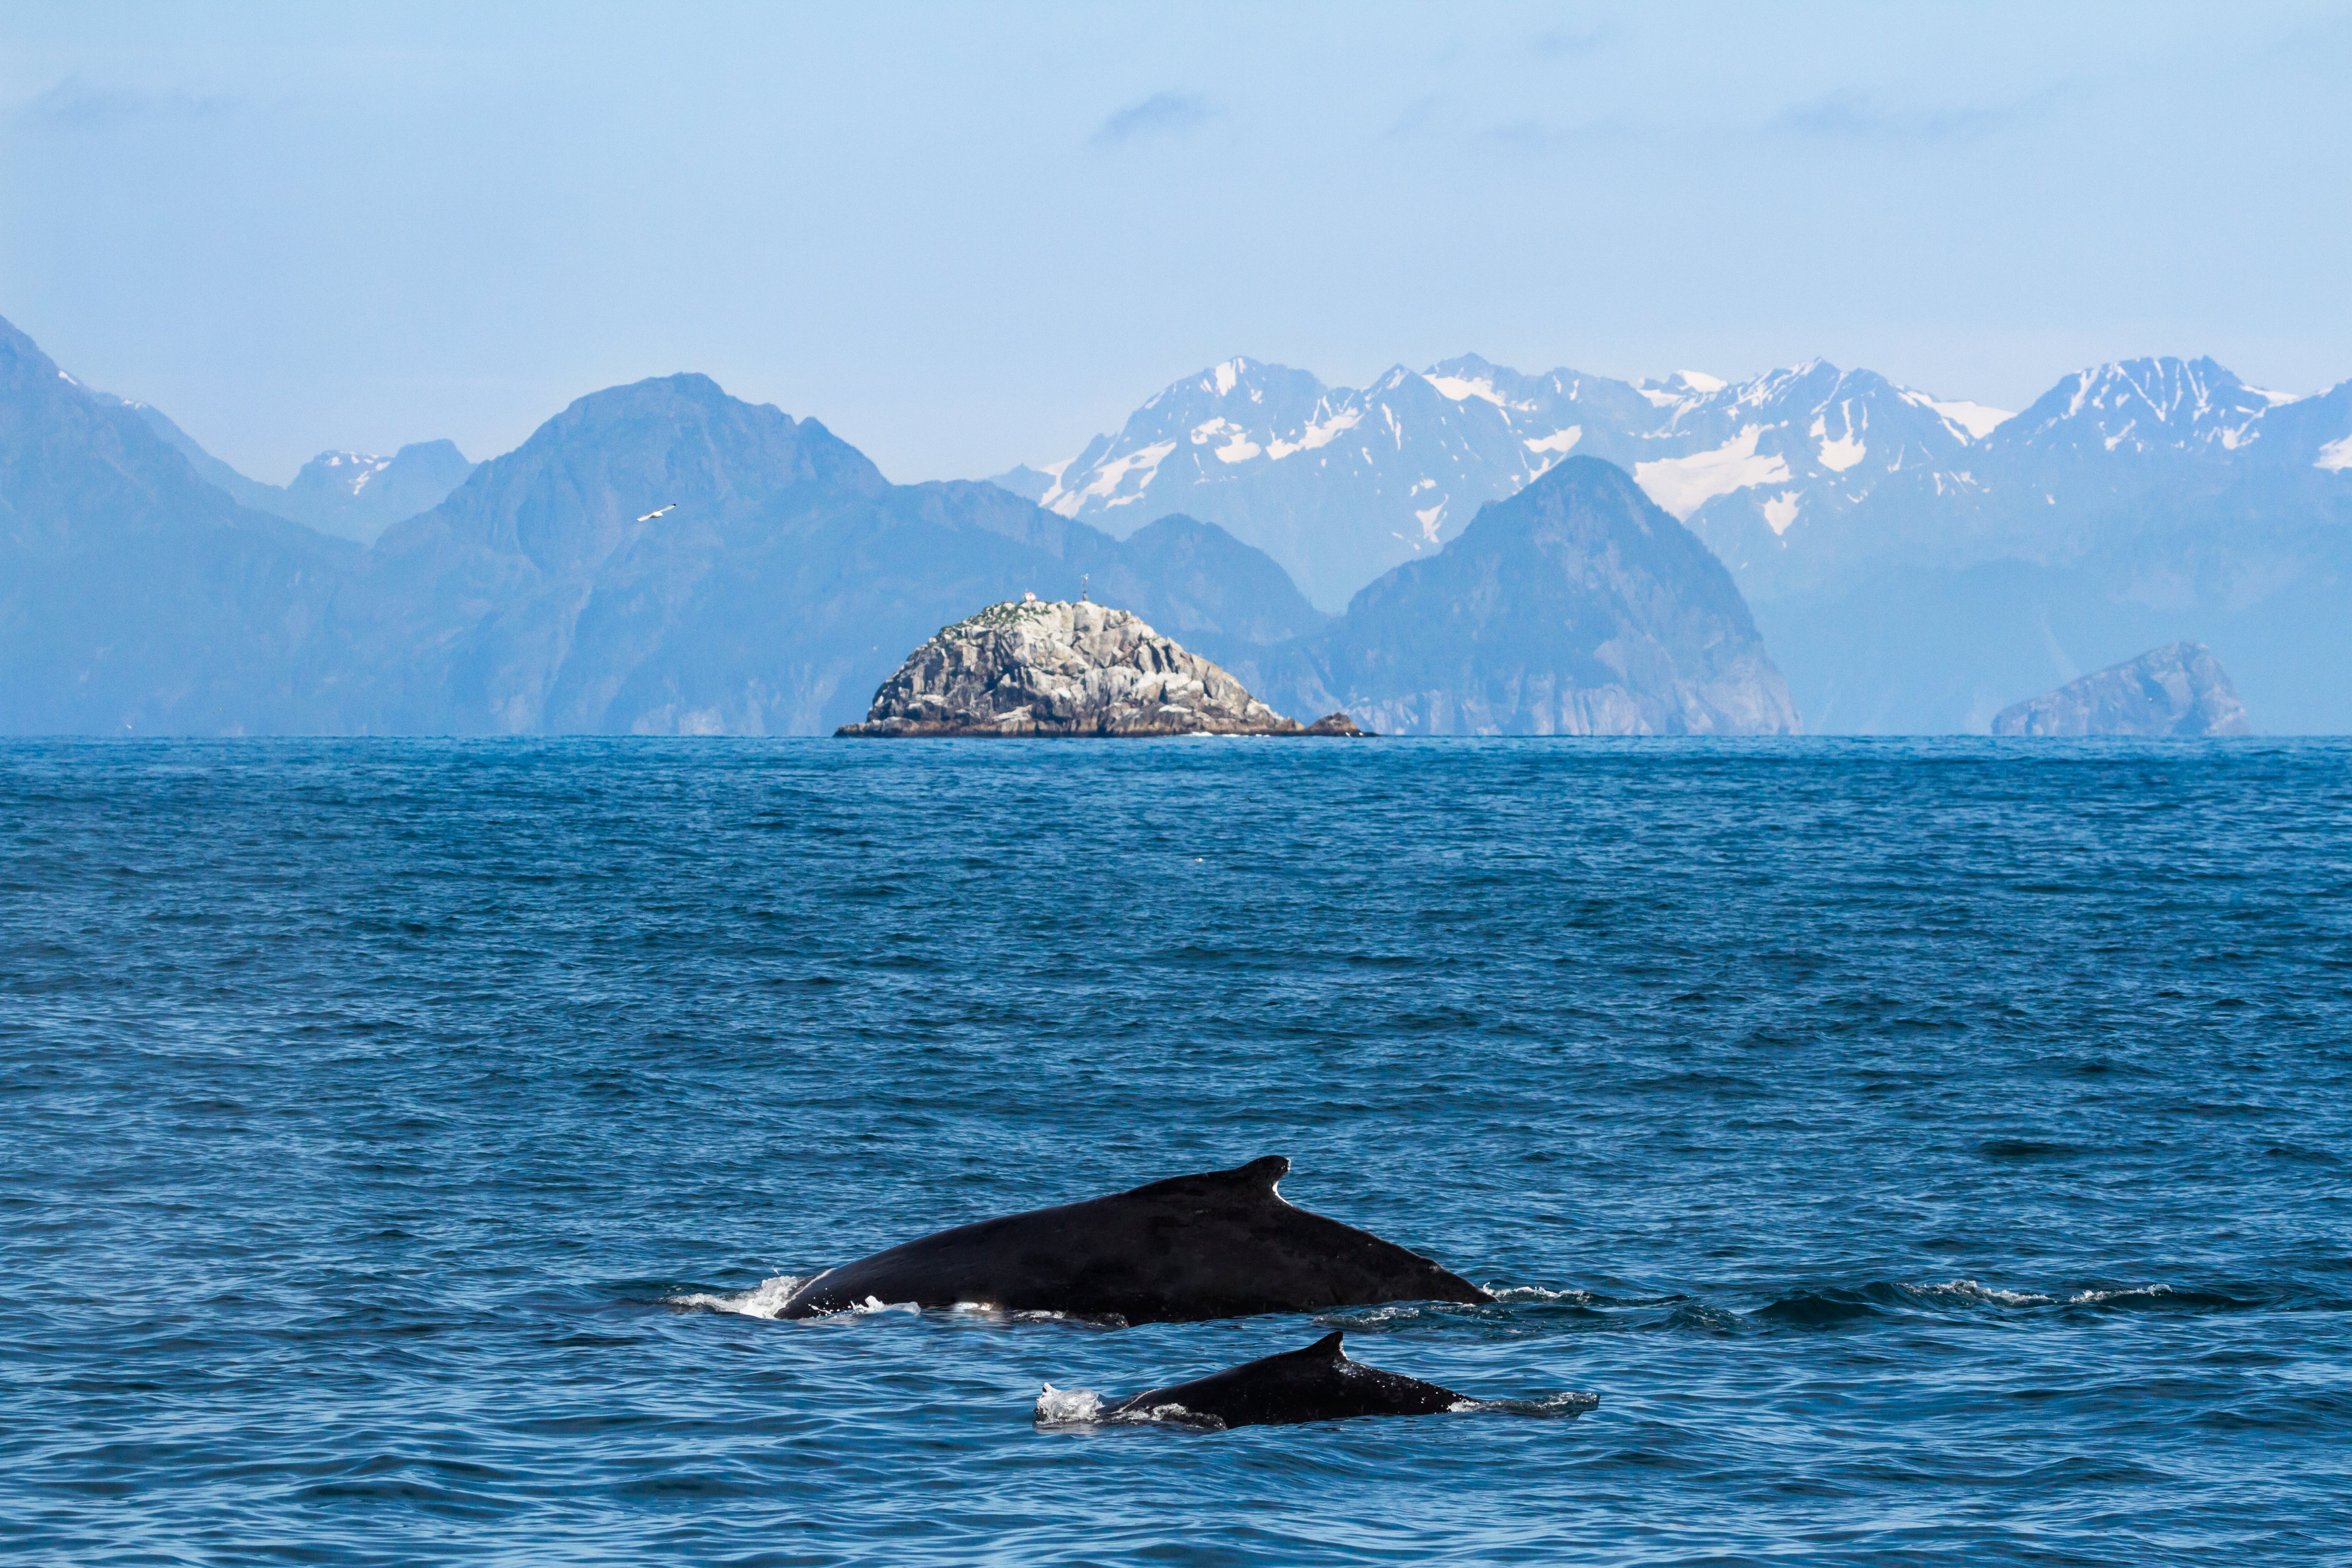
(1317, 1383)
(1223, 1244)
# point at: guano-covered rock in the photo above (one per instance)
(1058, 668)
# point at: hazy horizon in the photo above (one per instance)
(968, 240)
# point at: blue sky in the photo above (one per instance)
(965, 236)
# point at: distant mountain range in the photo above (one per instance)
(1915, 562)
(138, 595)
(1547, 554)
(350, 495)
(662, 558)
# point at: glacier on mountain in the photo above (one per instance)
(1683, 485)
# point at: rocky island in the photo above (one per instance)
(1057, 668)
(2179, 688)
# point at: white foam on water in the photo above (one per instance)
(1513, 1293)
(1567, 1402)
(990, 1313)
(1969, 1290)
(771, 1295)
(1068, 1406)
(2128, 1293)
(1065, 1407)
(764, 1300)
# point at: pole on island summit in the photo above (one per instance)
(1081, 587)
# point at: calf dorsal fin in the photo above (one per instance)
(1264, 1173)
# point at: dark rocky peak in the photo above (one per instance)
(1020, 480)
(1593, 505)
(77, 463)
(576, 490)
(1576, 606)
(427, 465)
(22, 365)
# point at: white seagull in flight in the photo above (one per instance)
(651, 515)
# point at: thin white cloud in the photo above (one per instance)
(1857, 117)
(74, 104)
(1162, 114)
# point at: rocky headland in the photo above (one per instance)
(2179, 688)
(1057, 668)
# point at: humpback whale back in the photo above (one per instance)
(1222, 1243)
(1317, 1383)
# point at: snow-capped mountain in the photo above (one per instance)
(358, 495)
(1337, 484)
(1917, 562)
(347, 473)
(2146, 406)
(1771, 472)
(1340, 484)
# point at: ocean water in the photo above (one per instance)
(1922, 1151)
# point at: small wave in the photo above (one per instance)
(2156, 1296)
(764, 1300)
(2028, 1149)
(1828, 1308)
(1819, 1309)
(1697, 1316)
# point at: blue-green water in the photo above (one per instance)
(1926, 1151)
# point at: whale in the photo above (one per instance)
(1221, 1244)
(1317, 1383)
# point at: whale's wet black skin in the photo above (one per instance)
(1317, 1383)
(1219, 1245)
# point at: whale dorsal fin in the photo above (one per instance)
(1262, 1173)
(1329, 1347)
(1244, 1183)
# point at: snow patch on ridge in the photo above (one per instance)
(1781, 510)
(1969, 421)
(1560, 441)
(1459, 387)
(1106, 480)
(1315, 434)
(1842, 454)
(1683, 485)
(2336, 457)
(367, 465)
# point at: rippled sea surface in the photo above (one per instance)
(1925, 1151)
